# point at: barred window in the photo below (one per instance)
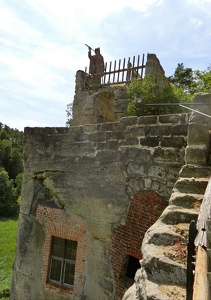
(62, 261)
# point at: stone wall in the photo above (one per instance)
(88, 174)
(105, 104)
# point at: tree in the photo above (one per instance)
(192, 81)
(69, 114)
(153, 92)
(8, 196)
(5, 153)
(11, 148)
(18, 183)
(15, 163)
(202, 81)
(183, 77)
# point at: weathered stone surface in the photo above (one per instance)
(179, 130)
(146, 120)
(191, 185)
(130, 293)
(204, 100)
(97, 287)
(195, 171)
(100, 105)
(170, 119)
(198, 134)
(29, 260)
(196, 155)
(178, 142)
(150, 141)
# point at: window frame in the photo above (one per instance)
(64, 261)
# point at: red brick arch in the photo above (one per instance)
(145, 208)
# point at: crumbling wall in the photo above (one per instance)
(89, 173)
(107, 104)
(153, 66)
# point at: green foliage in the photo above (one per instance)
(69, 114)
(8, 231)
(201, 82)
(5, 152)
(11, 164)
(15, 163)
(18, 183)
(8, 196)
(154, 91)
(5, 294)
(192, 81)
(11, 148)
(183, 77)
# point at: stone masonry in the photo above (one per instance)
(91, 177)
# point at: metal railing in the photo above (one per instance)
(116, 73)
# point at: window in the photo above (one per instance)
(132, 266)
(62, 261)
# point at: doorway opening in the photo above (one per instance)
(132, 266)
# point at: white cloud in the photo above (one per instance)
(72, 13)
(196, 22)
(200, 5)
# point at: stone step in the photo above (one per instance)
(165, 292)
(173, 215)
(189, 171)
(151, 290)
(191, 185)
(162, 265)
(164, 247)
(167, 235)
(186, 200)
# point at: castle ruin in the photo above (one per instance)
(110, 199)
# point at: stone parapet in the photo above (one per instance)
(158, 142)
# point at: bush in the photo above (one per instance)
(153, 92)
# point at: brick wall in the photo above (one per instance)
(57, 223)
(145, 208)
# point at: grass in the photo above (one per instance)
(8, 231)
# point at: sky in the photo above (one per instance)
(42, 45)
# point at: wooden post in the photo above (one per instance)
(200, 288)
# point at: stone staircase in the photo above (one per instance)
(163, 272)
(162, 275)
